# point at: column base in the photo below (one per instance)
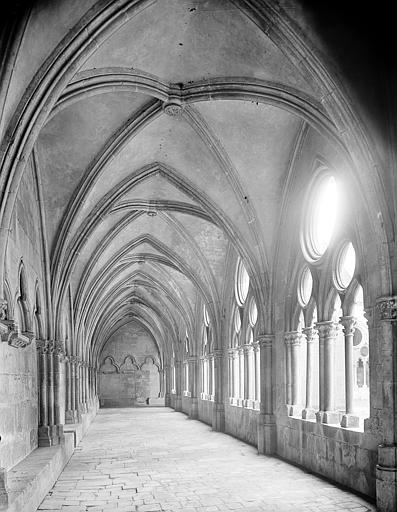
(168, 400)
(267, 434)
(71, 417)
(331, 417)
(386, 478)
(350, 421)
(295, 410)
(218, 417)
(3, 489)
(193, 415)
(50, 435)
(308, 414)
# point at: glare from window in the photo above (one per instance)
(324, 213)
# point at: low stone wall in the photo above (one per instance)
(344, 456)
(205, 408)
(186, 404)
(242, 423)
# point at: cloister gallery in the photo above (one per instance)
(198, 211)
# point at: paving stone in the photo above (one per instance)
(168, 464)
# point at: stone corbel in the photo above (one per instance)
(387, 308)
(10, 334)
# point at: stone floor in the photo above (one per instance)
(156, 459)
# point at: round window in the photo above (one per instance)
(345, 266)
(305, 286)
(320, 216)
(253, 312)
(242, 283)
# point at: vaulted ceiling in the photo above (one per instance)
(170, 147)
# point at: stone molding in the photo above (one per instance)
(387, 308)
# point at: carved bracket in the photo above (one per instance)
(10, 334)
(387, 308)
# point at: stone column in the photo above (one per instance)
(59, 388)
(308, 412)
(257, 361)
(43, 432)
(267, 440)
(68, 404)
(83, 386)
(178, 387)
(78, 386)
(167, 372)
(241, 375)
(246, 352)
(230, 374)
(296, 342)
(248, 373)
(74, 389)
(162, 383)
(288, 373)
(386, 469)
(236, 375)
(192, 362)
(218, 416)
(87, 386)
(210, 363)
(50, 387)
(349, 419)
(328, 332)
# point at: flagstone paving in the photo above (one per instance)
(155, 459)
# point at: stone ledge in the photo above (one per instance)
(30, 480)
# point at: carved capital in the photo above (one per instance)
(41, 346)
(311, 334)
(256, 346)
(248, 348)
(293, 338)
(59, 350)
(327, 329)
(349, 325)
(265, 340)
(217, 353)
(387, 308)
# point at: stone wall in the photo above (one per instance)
(205, 408)
(129, 372)
(242, 423)
(344, 456)
(18, 366)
